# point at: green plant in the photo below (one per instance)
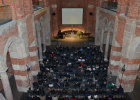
(79, 33)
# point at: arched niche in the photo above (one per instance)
(18, 52)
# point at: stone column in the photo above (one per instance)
(40, 47)
(6, 86)
(130, 57)
(102, 40)
(97, 41)
(39, 40)
(43, 28)
(48, 35)
(107, 47)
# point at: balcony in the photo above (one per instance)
(110, 6)
(37, 5)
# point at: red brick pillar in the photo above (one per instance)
(23, 13)
(133, 11)
(127, 79)
(130, 56)
(116, 48)
(117, 45)
(20, 62)
(31, 37)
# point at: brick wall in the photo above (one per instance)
(89, 21)
(36, 2)
(126, 42)
(5, 12)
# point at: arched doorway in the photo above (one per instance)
(16, 51)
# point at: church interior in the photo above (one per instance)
(69, 49)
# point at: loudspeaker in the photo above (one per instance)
(123, 68)
(53, 14)
(91, 14)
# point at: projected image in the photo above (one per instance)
(72, 16)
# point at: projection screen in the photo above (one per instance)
(72, 16)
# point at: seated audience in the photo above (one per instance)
(76, 73)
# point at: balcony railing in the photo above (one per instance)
(35, 7)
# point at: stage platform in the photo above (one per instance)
(73, 41)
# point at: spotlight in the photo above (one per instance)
(91, 14)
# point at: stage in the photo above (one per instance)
(73, 41)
